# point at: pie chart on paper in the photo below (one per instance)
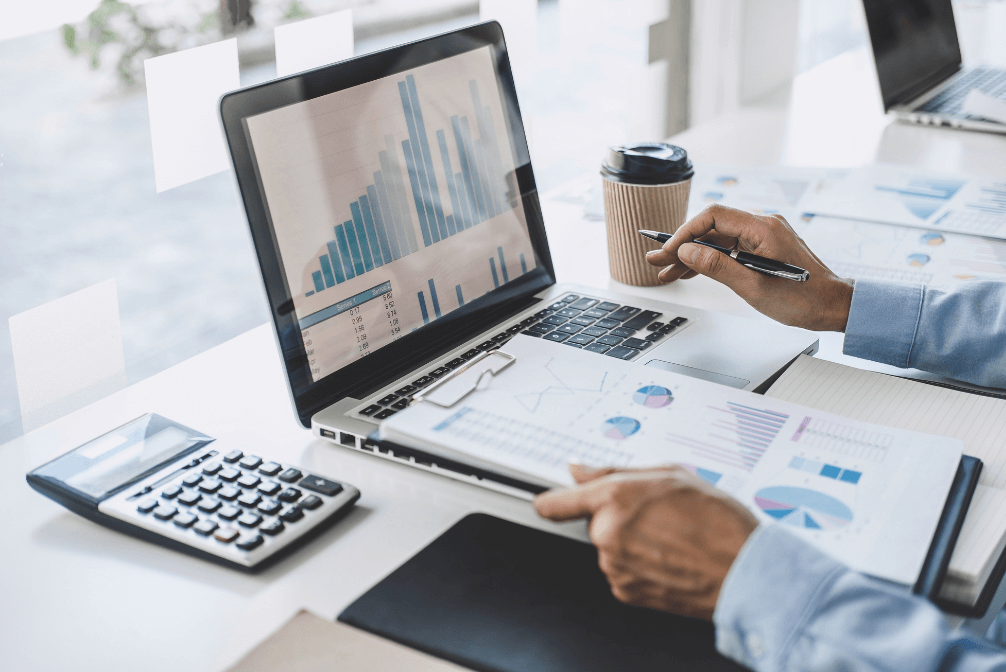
(803, 507)
(620, 428)
(653, 396)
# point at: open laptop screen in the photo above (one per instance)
(914, 45)
(393, 203)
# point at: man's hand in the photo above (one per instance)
(820, 304)
(665, 538)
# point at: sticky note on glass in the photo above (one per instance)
(67, 353)
(183, 95)
(312, 43)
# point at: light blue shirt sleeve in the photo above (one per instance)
(960, 332)
(787, 607)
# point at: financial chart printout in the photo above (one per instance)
(393, 203)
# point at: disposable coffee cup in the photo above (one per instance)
(645, 187)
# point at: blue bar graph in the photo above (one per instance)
(506, 277)
(354, 247)
(492, 265)
(523, 265)
(361, 237)
(319, 284)
(424, 199)
(333, 254)
(473, 168)
(433, 298)
(449, 173)
(422, 307)
(466, 216)
(389, 217)
(371, 229)
(326, 270)
(417, 193)
(372, 206)
(431, 175)
(461, 297)
(347, 257)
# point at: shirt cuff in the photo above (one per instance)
(883, 321)
(768, 594)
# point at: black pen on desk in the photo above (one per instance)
(752, 261)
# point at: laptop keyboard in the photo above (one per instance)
(949, 101)
(597, 326)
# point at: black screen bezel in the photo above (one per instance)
(415, 349)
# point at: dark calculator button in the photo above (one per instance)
(269, 488)
(292, 494)
(228, 493)
(249, 520)
(609, 340)
(211, 468)
(251, 461)
(171, 491)
(208, 505)
(270, 507)
(270, 469)
(165, 512)
(388, 399)
(554, 319)
(189, 498)
(248, 542)
(210, 485)
(655, 326)
(641, 320)
(487, 345)
(423, 381)
(541, 328)
(606, 306)
(370, 410)
(205, 527)
(654, 337)
(556, 336)
(622, 332)
(439, 371)
(229, 512)
(582, 321)
(273, 528)
(583, 304)
(311, 502)
(570, 328)
(595, 313)
(233, 456)
(607, 323)
(226, 534)
(229, 474)
(249, 481)
(569, 299)
(455, 363)
(147, 505)
(192, 479)
(249, 499)
(321, 485)
(386, 413)
(624, 313)
(678, 321)
(400, 404)
(667, 329)
(512, 330)
(291, 514)
(620, 352)
(637, 343)
(469, 354)
(186, 519)
(408, 389)
(580, 339)
(569, 312)
(597, 347)
(291, 475)
(531, 334)
(594, 332)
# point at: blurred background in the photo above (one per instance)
(78, 204)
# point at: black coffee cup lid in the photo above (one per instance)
(647, 163)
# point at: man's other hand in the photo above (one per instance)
(665, 538)
(820, 304)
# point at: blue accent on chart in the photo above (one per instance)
(826, 470)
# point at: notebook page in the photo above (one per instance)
(872, 397)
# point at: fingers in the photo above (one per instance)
(583, 474)
(718, 266)
(567, 504)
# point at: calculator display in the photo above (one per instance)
(110, 462)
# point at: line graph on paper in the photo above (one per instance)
(843, 439)
(568, 382)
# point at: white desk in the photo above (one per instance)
(74, 595)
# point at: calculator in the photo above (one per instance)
(163, 482)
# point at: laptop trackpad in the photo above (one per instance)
(701, 374)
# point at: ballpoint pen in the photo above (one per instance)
(752, 261)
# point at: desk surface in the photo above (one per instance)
(77, 596)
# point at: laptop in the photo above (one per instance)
(397, 225)
(918, 60)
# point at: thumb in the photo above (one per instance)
(714, 264)
(581, 473)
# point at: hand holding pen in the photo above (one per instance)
(751, 254)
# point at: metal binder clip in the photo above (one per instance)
(422, 396)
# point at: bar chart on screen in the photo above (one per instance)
(407, 183)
